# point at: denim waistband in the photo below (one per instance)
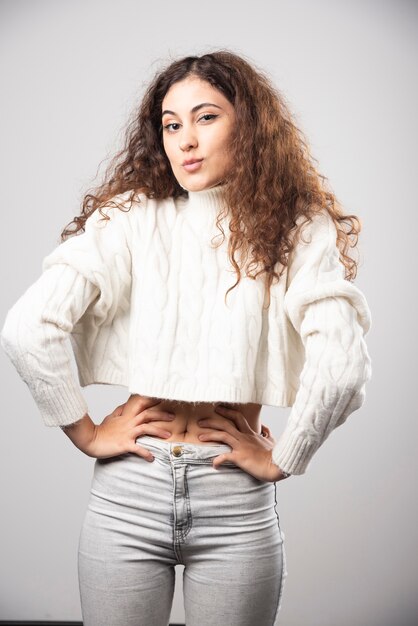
(179, 450)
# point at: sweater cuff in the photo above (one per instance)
(293, 451)
(61, 406)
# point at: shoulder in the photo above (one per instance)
(314, 247)
(105, 239)
(314, 236)
(318, 226)
(118, 211)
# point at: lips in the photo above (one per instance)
(191, 166)
(190, 161)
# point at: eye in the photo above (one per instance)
(167, 126)
(205, 116)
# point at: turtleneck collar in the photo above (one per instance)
(206, 200)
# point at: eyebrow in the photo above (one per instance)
(196, 108)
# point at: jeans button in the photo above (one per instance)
(177, 450)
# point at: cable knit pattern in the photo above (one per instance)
(140, 298)
(331, 317)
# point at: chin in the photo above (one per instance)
(193, 187)
(200, 187)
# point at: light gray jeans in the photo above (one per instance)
(145, 517)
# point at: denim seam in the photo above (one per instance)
(186, 531)
(176, 544)
(284, 572)
(207, 461)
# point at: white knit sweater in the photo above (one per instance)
(140, 299)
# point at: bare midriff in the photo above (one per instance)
(184, 426)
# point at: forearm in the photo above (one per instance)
(36, 338)
(81, 433)
(331, 386)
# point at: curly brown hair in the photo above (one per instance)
(271, 185)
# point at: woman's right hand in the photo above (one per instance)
(118, 431)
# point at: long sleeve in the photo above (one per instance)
(35, 336)
(91, 269)
(331, 316)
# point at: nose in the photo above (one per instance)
(187, 140)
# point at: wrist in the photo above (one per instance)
(279, 473)
(282, 473)
(81, 433)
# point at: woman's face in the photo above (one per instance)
(197, 122)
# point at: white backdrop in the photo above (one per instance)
(71, 71)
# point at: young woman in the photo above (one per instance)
(185, 472)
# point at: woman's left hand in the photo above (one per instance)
(250, 450)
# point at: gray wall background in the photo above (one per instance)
(71, 72)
